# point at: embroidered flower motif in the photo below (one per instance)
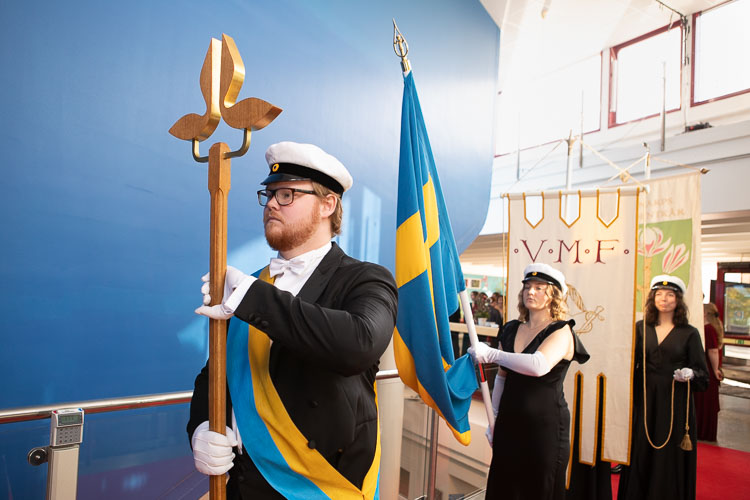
(653, 241)
(675, 257)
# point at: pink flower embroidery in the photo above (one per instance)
(674, 258)
(652, 238)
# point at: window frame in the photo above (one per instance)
(598, 128)
(693, 102)
(613, 51)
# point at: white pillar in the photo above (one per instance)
(391, 410)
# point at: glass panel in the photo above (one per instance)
(639, 76)
(17, 478)
(145, 454)
(415, 446)
(461, 471)
(124, 455)
(549, 108)
(138, 452)
(737, 308)
(721, 44)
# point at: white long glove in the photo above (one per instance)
(212, 451)
(497, 394)
(236, 285)
(534, 365)
(683, 374)
(237, 435)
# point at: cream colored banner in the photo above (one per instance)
(591, 238)
(671, 243)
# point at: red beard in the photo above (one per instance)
(283, 236)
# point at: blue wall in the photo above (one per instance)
(105, 215)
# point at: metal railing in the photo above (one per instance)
(25, 413)
(30, 413)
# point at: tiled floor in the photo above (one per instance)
(734, 401)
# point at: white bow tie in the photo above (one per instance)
(280, 266)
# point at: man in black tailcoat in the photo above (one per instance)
(328, 318)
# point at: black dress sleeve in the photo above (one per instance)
(580, 354)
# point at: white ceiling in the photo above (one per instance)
(572, 30)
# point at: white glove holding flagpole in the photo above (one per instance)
(236, 285)
(212, 451)
(469, 318)
(534, 365)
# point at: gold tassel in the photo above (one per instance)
(686, 443)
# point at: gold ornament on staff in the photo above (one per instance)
(401, 48)
(221, 78)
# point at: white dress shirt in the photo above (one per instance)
(301, 268)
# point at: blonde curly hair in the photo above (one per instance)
(558, 309)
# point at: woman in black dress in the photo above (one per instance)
(531, 440)
(662, 453)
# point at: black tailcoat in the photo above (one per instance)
(327, 342)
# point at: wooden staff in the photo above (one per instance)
(221, 77)
(219, 176)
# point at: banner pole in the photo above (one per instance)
(486, 397)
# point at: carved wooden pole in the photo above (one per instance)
(219, 176)
(221, 77)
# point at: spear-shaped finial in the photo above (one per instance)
(401, 48)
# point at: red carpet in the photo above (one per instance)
(723, 474)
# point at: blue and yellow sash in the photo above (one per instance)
(278, 449)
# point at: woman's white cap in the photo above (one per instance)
(546, 274)
(669, 282)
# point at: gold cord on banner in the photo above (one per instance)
(671, 404)
(676, 164)
(687, 444)
(643, 346)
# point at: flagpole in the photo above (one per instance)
(474, 340)
(401, 48)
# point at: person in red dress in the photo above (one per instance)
(707, 403)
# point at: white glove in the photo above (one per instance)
(483, 353)
(683, 374)
(497, 392)
(534, 365)
(236, 285)
(212, 452)
(237, 435)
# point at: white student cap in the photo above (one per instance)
(546, 274)
(292, 161)
(668, 282)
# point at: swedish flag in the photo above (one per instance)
(429, 278)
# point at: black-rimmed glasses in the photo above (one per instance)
(284, 196)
